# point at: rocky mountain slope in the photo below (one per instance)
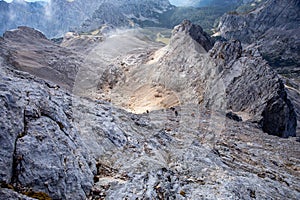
(24, 48)
(273, 28)
(219, 80)
(59, 145)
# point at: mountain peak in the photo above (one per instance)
(23, 32)
(195, 32)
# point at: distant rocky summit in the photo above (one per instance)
(123, 14)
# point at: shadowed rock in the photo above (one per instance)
(253, 87)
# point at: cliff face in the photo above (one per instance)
(273, 28)
(40, 148)
(249, 81)
(20, 13)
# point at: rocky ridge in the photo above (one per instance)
(273, 29)
(218, 79)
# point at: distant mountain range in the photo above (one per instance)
(56, 17)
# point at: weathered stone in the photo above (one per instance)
(252, 86)
(39, 146)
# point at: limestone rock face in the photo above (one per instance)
(293, 88)
(40, 149)
(273, 28)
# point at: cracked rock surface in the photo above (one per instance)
(40, 149)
